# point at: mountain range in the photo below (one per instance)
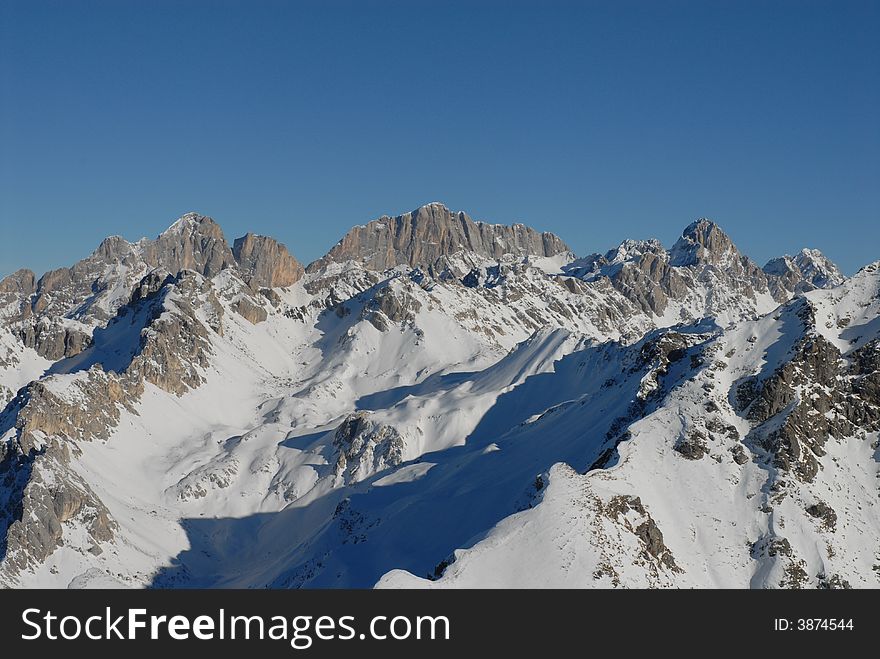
(439, 402)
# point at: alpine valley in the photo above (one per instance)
(439, 402)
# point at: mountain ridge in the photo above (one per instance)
(410, 239)
(163, 398)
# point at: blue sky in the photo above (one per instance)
(596, 120)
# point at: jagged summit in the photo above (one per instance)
(194, 242)
(807, 270)
(21, 281)
(702, 226)
(631, 249)
(704, 274)
(433, 204)
(193, 221)
(431, 232)
(703, 241)
(55, 313)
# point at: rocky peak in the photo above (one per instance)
(806, 271)
(265, 262)
(194, 242)
(629, 251)
(703, 242)
(113, 248)
(20, 282)
(818, 269)
(151, 284)
(634, 248)
(703, 274)
(193, 222)
(424, 236)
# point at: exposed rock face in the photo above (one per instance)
(365, 447)
(811, 398)
(87, 411)
(818, 269)
(629, 512)
(42, 491)
(91, 291)
(703, 242)
(150, 285)
(266, 262)
(20, 282)
(692, 447)
(176, 346)
(249, 311)
(52, 339)
(655, 356)
(824, 513)
(86, 291)
(808, 270)
(703, 274)
(127, 317)
(195, 242)
(41, 494)
(56, 315)
(47, 496)
(16, 291)
(391, 305)
(427, 234)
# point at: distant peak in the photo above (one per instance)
(812, 255)
(189, 222)
(113, 247)
(701, 227)
(431, 232)
(631, 249)
(806, 270)
(702, 241)
(435, 209)
(818, 269)
(22, 281)
(193, 242)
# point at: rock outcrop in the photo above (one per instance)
(20, 282)
(806, 271)
(703, 274)
(51, 338)
(811, 398)
(194, 242)
(703, 242)
(264, 262)
(429, 233)
(391, 305)
(364, 447)
(251, 312)
(41, 494)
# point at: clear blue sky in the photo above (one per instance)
(596, 120)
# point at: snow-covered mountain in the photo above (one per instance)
(439, 402)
